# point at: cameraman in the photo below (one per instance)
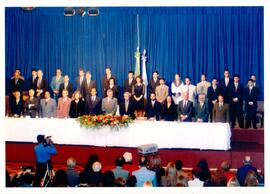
(43, 152)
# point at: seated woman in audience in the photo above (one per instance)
(17, 104)
(138, 92)
(76, 106)
(205, 173)
(170, 178)
(169, 111)
(155, 165)
(31, 106)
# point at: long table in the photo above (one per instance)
(204, 136)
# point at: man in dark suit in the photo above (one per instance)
(93, 103)
(79, 80)
(106, 81)
(236, 102)
(88, 84)
(41, 84)
(126, 107)
(129, 83)
(250, 97)
(153, 108)
(212, 96)
(31, 105)
(67, 86)
(185, 109)
(16, 83)
(17, 104)
(221, 111)
(226, 84)
(256, 84)
(201, 109)
(154, 82)
(30, 82)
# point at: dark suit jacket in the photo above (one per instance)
(16, 86)
(130, 111)
(34, 109)
(226, 91)
(79, 87)
(92, 108)
(17, 109)
(153, 111)
(201, 112)
(169, 114)
(105, 85)
(237, 94)
(152, 85)
(43, 86)
(69, 88)
(251, 97)
(86, 89)
(213, 94)
(76, 110)
(222, 115)
(29, 84)
(187, 110)
(127, 86)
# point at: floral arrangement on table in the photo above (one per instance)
(98, 121)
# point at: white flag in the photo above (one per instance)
(144, 74)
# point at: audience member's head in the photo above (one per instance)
(247, 160)
(60, 179)
(178, 164)
(28, 179)
(120, 161)
(233, 182)
(143, 161)
(40, 138)
(131, 181)
(171, 170)
(96, 166)
(147, 184)
(251, 179)
(108, 179)
(225, 166)
(128, 157)
(71, 162)
(91, 159)
(205, 172)
(120, 182)
(155, 162)
(218, 179)
(182, 181)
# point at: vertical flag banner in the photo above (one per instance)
(144, 74)
(137, 52)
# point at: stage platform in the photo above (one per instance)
(24, 153)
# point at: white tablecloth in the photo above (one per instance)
(214, 136)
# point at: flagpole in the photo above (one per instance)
(137, 53)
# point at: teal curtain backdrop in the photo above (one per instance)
(187, 40)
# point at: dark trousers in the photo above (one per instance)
(41, 169)
(251, 116)
(236, 112)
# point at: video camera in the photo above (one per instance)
(48, 140)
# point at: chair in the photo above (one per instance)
(260, 112)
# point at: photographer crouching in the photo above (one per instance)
(43, 152)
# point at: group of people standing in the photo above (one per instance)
(219, 101)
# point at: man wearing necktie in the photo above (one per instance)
(153, 108)
(93, 103)
(109, 104)
(185, 109)
(66, 86)
(126, 108)
(41, 85)
(236, 102)
(221, 111)
(63, 105)
(251, 96)
(201, 109)
(162, 91)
